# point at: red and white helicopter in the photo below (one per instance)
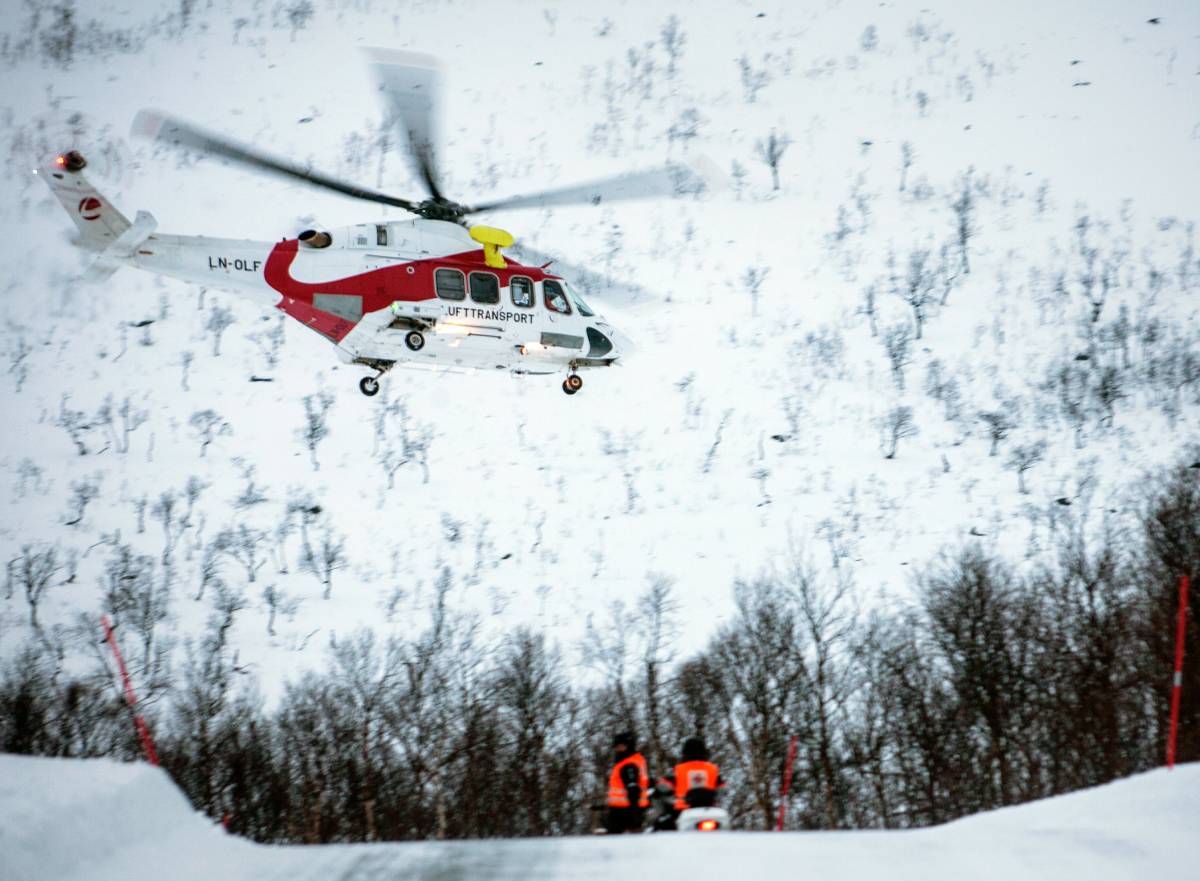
(430, 291)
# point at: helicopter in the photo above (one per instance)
(431, 291)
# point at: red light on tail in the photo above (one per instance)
(708, 825)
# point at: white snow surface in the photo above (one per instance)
(96, 820)
(549, 509)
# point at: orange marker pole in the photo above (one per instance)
(1177, 683)
(130, 698)
(787, 783)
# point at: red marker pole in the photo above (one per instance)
(1177, 684)
(130, 698)
(787, 783)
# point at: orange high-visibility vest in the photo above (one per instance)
(693, 775)
(618, 796)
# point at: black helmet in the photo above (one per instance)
(693, 749)
(625, 737)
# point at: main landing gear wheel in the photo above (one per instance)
(415, 340)
(574, 383)
(369, 386)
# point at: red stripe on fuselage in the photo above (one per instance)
(379, 288)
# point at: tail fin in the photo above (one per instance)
(100, 224)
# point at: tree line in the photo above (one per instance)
(994, 685)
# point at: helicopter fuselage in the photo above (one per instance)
(371, 286)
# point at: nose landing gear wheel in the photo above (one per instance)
(567, 387)
(572, 383)
(369, 386)
(415, 340)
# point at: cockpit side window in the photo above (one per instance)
(485, 287)
(555, 297)
(584, 309)
(520, 289)
(450, 283)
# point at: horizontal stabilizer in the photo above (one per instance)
(115, 255)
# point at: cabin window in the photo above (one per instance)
(381, 235)
(556, 297)
(451, 284)
(485, 287)
(521, 291)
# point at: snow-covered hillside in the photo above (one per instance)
(96, 820)
(756, 418)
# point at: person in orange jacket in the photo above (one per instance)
(628, 787)
(696, 778)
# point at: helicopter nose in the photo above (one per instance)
(618, 343)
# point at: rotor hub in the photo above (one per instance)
(443, 209)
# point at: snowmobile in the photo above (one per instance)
(697, 819)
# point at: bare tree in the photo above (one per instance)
(33, 570)
(656, 623)
(869, 308)
(625, 450)
(75, 423)
(332, 556)
(964, 214)
(673, 40)
(185, 362)
(1022, 458)
(918, 287)
(251, 494)
(894, 427)
(1000, 424)
(219, 320)
(738, 173)
(316, 423)
(278, 603)
(753, 80)
(131, 420)
(906, 161)
(83, 493)
(164, 512)
(753, 278)
(897, 342)
(208, 426)
(244, 545)
(770, 150)
(18, 365)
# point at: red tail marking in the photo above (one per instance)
(89, 208)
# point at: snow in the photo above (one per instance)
(548, 510)
(95, 820)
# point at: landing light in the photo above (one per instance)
(707, 825)
(60, 161)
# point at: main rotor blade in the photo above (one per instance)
(169, 130)
(410, 84)
(670, 180)
(597, 286)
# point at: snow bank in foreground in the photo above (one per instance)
(98, 820)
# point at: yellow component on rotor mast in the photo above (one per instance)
(492, 240)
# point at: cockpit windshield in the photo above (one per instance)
(580, 304)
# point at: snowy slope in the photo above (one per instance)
(99, 820)
(547, 509)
